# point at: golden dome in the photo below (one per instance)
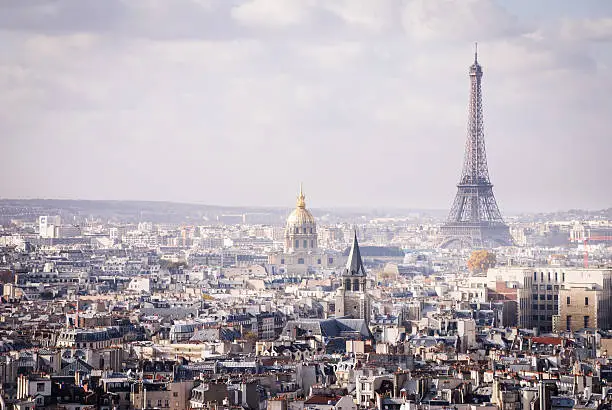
(300, 215)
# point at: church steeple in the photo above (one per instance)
(354, 264)
(352, 299)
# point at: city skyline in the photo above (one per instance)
(116, 105)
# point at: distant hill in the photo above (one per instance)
(176, 212)
(190, 213)
(570, 215)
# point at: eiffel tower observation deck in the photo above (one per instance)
(474, 220)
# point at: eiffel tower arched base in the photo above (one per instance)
(474, 236)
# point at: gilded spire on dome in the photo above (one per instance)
(301, 200)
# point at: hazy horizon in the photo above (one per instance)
(235, 102)
(289, 207)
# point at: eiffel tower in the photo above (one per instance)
(474, 220)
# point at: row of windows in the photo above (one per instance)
(304, 242)
(542, 306)
(568, 299)
(304, 230)
(541, 275)
(301, 261)
(586, 301)
(541, 317)
(544, 287)
(545, 297)
(159, 403)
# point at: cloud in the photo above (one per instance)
(595, 29)
(210, 100)
(271, 13)
(467, 20)
(373, 16)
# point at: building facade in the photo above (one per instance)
(301, 250)
(542, 294)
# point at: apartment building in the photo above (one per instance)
(542, 294)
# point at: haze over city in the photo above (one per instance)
(305, 205)
(236, 102)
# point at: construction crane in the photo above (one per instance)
(586, 246)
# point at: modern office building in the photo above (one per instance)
(557, 298)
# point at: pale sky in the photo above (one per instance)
(234, 102)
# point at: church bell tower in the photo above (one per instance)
(352, 299)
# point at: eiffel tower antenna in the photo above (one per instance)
(474, 220)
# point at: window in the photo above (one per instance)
(40, 387)
(549, 297)
(175, 394)
(300, 261)
(548, 287)
(305, 243)
(319, 261)
(549, 276)
(535, 276)
(312, 243)
(568, 300)
(282, 261)
(534, 296)
(159, 402)
(297, 243)
(166, 403)
(562, 276)
(541, 276)
(542, 297)
(568, 322)
(330, 261)
(534, 306)
(586, 303)
(586, 321)
(556, 276)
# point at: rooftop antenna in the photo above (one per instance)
(476, 52)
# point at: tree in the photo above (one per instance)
(481, 260)
(252, 336)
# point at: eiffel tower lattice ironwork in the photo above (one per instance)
(474, 220)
